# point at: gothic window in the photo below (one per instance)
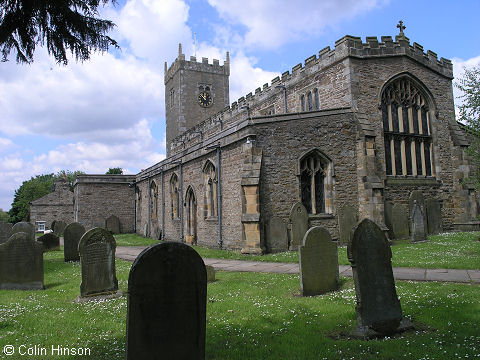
(406, 128)
(191, 220)
(310, 101)
(174, 196)
(153, 200)
(315, 182)
(302, 101)
(316, 98)
(210, 184)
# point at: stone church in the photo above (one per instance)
(358, 131)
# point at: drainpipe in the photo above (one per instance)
(163, 207)
(219, 192)
(149, 206)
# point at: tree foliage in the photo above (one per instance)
(34, 189)
(469, 112)
(112, 171)
(3, 216)
(60, 24)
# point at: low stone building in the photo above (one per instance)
(97, 197)
(58, 205)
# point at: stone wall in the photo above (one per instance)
(57, 205)
(96, 197)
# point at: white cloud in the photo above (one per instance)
(272, 23)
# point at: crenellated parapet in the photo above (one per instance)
(193, 64)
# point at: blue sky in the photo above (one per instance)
(109, 112)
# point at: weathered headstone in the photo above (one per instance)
(112, 224)
(318, 260)
(24, 227)
(299, 224)
(434, 216)
(417, 196)
(166, 306)
(210, 273)
(71, 238)
(50, 241)
(378, 309)
(388, 214)
(21, 263)
(59, 227)
(5, 231)
(97, 258)
(157, 233)
(52, 225)
(418, 225)
(400, 222)
(347, 219)
(277, 235)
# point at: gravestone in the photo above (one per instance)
(112, 224)
(50, 241)
(434, 216)
(378, 309)
(24, 227)
(166, 305)
(52, 225)
(21, 263)
(97, 259)
(5, 231)
(347, 219)
(388, 213)
(277, 235)
(71, 238)
(417, 196)
(59, 227)
(210, 273)
(418, 225)
(299, 225)
(400, 222)
(157, 233)
(318, 260)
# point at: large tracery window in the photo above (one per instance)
(407, 130)
(313, 174)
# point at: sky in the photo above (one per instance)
(109, 111)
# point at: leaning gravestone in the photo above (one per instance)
(166, 304)
(97, 258)
(400, 222)
(5, 231)
(71, 237)
(21, 263)
(318, 260)
(299, 224)
(112, 224)
(378, 309)
(434, 216)
(347, 219)
(277, 235)
(418, 225)
(50, 241)
(24, 227)
(59, 227)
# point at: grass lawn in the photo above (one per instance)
(445, 251)
(249, 316)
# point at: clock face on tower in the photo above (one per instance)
(205, 99)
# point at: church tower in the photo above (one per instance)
(194, 91)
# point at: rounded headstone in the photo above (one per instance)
(299, 222)
(50, 241)
(71, 238)
(24, 227)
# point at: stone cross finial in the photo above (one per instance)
(401, 27)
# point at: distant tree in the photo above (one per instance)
(34, 189)
(469, 112)
(3, 216)
(60, 24)
(113, 171)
